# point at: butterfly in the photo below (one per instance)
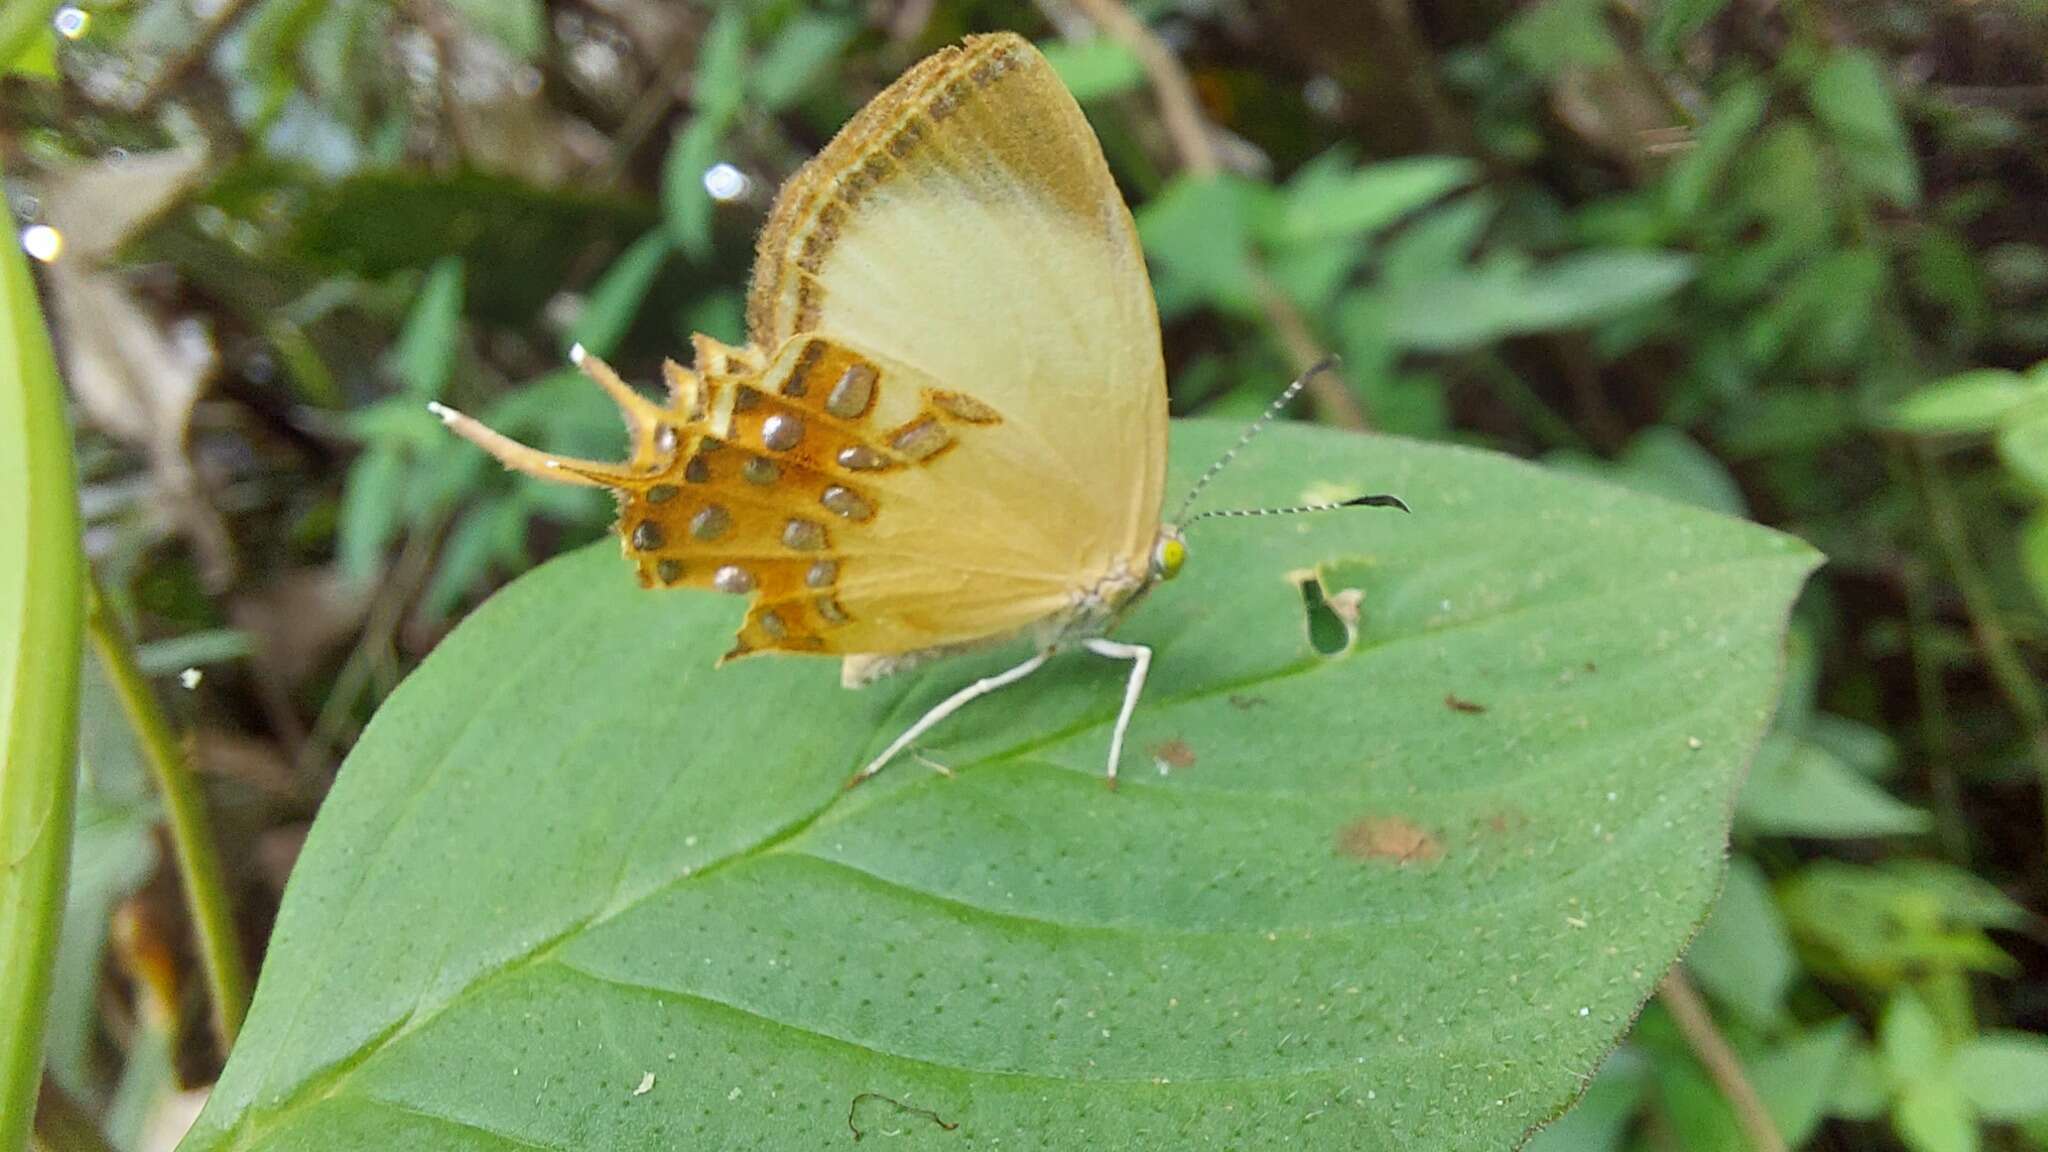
(947, 427)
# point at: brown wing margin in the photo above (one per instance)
(813, 202)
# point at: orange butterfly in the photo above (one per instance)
(948, 426)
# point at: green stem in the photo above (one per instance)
(1950, 828)
(1543, 421)
(41, 599)
(2008, 669)
(199, 871)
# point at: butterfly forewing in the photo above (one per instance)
(966, 227)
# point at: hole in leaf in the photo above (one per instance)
(1328, 631)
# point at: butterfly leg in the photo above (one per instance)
(1141, 662)
(952, 704)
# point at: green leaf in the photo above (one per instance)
(1852, 101)
(1968, 402)
(1094, 68)
(615, 300)
(2023, 446)
(1666, 462)
(1199, 234)
(2005, 1074)
(1437, 243)
(1551, 36)
(1597, 1121)
(1803, 790)
(424, 353)
(1904, 920)
(685, 203)
(520, 25)
(1349, 206)
(42, 601)
(1797, 1079)
(719, 85)
(1502, 299)
(1912, 1044)
(1935, 1116)
(1693, 178)
(1743, 957)
(471, 548)
(113, 853)
(37, 56)
(568, 847)
(370, 506)
(1860, 1091)
(1673, 22)
(798, 58)
(2034, 553)
(1868, 750)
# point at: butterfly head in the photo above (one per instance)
(1169, 554)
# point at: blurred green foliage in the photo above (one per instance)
(1781, 260)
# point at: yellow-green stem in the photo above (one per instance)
(2001, 656)
(41, 600)
(199, 870)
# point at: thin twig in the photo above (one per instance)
(655, 102)
(1195, 147)
(1696, 1024)
(446, 40)
(2001, 656)
(1178, 107)
(199, 869)
(1334, 399)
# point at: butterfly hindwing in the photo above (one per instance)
(949, 422)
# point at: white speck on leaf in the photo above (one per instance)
(646, 1084)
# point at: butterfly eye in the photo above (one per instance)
(1168, 558)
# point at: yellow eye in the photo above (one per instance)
(1172, 554)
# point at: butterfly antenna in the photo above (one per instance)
(1257, 426)
(1357, 502)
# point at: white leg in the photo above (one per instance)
(1141, 662)
(951, 705)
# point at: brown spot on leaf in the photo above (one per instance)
(1245, 703)
(1174, 753)
(1457, 703)
(1389, 838)
(1504, 821)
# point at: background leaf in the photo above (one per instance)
(1744, 956)
(425, 352)
(1967, 402)
(1095, 67)
(2005, 1075)
(1850, 97)
(568, 850)
(1351, 205)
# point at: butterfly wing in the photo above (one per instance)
(951, 420)
(965, 228)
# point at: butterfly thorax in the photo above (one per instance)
(1098, 604)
